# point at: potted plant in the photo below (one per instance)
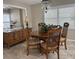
(43, 27)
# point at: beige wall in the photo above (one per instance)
(27, 16)
(37, 16)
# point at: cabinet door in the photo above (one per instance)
(21, 34)
(16, 35)
(8, 38)
(24, 34)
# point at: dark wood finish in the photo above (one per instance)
(52, 42)
(8, 38)
(48, 45)
(14, 37)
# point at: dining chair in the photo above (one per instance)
(64, 34)
(51, 43)
(32, 42)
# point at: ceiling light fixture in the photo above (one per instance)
(45, 5)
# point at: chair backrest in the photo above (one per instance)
(65, 29)
(54, 37)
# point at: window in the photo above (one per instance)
(6, 19)
(12, 18)
(67, 15)
(51, 16)
(61, 15)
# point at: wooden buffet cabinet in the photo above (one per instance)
(14, 37)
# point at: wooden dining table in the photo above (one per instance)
(42, 35)
(39, 35)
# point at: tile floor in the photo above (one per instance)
(19, 52)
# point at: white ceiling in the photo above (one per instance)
(62, 2)
(26, 2)
(31, 2)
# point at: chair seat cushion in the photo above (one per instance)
(50, 46)
(33, 41)
(62, 39)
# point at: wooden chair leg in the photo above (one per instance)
(42, 52)
(46, 55)
(27, 51)
(58, 53)
(53, 51)
(39, 48)
(65, 44)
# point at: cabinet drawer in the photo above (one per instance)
(8, 37)
(24, 34)
(16, 35)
